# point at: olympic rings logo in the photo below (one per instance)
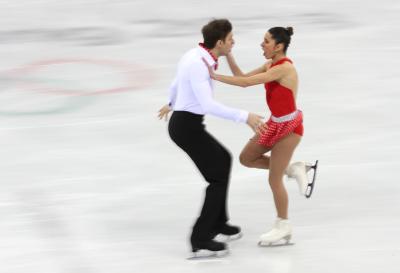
(63, 85)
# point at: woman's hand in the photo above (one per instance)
(210, 69)
(163, 112)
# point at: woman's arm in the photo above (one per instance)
(256, 71)
(236, 71)
(273, 74)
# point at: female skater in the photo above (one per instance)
(282, 132)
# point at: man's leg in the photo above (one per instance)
(214, 163)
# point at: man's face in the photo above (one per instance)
(226, 46)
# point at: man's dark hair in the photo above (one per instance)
(215, 30)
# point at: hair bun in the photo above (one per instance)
(289, 30)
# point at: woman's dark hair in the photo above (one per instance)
(281, 35)
(215, 30)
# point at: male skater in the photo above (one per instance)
(191, 97)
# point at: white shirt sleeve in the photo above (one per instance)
(172, 92)
(200, 82)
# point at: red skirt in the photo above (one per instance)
(277, 130)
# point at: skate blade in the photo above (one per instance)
(204, 255)
(282, 242)
(266, 245)
(229, 238)
(310, 186)
(310, 166)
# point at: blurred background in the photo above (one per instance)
(91, 182)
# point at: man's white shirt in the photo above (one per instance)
(192, 89)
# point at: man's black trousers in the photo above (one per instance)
(214, 163)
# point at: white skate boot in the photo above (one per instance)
(299, 171)
(279, 235)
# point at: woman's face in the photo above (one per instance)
(268, 46)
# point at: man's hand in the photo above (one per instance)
(163, 112)
(256, 123)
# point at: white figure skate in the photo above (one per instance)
(279, 235)
(299, 171)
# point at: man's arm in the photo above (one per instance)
(172, 92)
(199, 81)
(163, 112)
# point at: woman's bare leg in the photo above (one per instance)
(280, 157)
(252, 155)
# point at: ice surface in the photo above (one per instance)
(91, 182)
